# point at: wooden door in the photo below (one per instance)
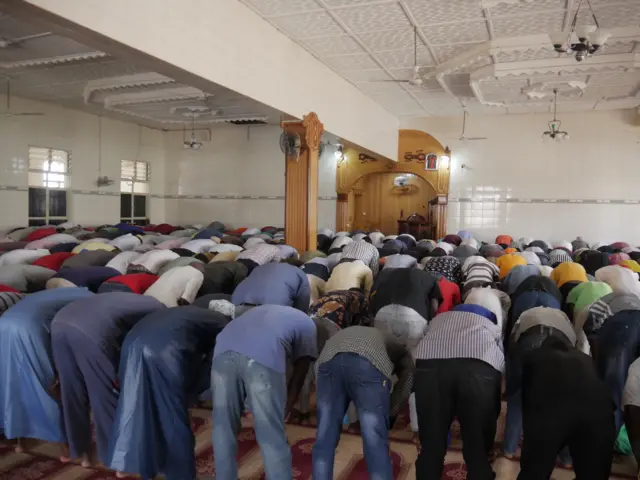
(379, 202)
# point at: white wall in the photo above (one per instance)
(516, 183)
(78, 133)
(237, 178)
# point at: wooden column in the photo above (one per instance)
(301, 185)
(440, 215)
(342, 214)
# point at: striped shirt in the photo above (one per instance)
(9, 299)
(479, 272)
(261, 254)
(608, 306)
(364, 251)
(384, 353)
(462, 335)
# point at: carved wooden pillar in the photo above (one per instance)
(301, 185)
(342, 213)
(440, 215)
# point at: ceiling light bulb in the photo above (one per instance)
(558, 39)
(599, 37)
(445, 161)
(583, 31)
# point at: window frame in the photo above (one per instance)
(48, 218)
(134, 219)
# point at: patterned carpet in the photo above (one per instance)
(40, 460)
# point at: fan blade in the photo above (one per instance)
(464, 139)
(23, 114)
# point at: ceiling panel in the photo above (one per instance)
(388, 39)
(49, 46)
(611, 16)
(447, 52)
(280, 7)
(527, 7)
(473, 31)
(405, 58)
(443, 11)
(307, 25)
(327, 46)
(524, 55)
(373, 18)
(351, 62)
(533, 24)
(365, 75)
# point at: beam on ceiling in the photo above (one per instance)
(199, 42)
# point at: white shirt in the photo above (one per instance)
(52, 240)
(376, 238)
(495, 301)
(620, 279)
(22, 256)
(341, 242)
(154, 260)
(225, 247)
(253, 241)
(631, 394)
(180, 282)
(122, 261)
(530, 257)
(199, 246)
(350, 275)
(126, 242)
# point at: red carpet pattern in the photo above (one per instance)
(40, 460)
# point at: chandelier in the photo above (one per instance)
(554, 132)
(590, 37)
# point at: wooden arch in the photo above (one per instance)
(415, 150)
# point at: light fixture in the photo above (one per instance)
(339, 153)
(554, 131)
(590, 37)
(446, 158)
(192, 143)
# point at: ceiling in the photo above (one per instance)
(52, 68)
(485, 56)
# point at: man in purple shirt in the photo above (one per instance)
(274, 284)
(250, 362)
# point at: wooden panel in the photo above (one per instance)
(342, 212)
(379, 203)
(296, 202)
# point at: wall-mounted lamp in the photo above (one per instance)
(446, 158)
(339, 153)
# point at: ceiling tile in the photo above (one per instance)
(12, 28)
(361, 61)
(622, 78)
(527, 7)
(576, 106)
(373, 18)
(474, 31)
(430, 85)
(326, 46)
(615, 47)
(389, 39)
(350, 3)
(528, 24)
(307, 25)
(520, 109)
(443, 11)
(405, 58)
(611, 16)
(447, 52)
(612, 91)
(281, 7)
(477, 64)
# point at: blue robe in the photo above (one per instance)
(164, 365)
(27, 373)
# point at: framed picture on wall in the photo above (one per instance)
(431, 162)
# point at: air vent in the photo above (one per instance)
(246, 122)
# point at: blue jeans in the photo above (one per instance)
(513, 423)
(350, 377)
(235, 377)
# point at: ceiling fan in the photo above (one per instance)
(9, 113)
(464, 127)
(416, 79)
(17, 42)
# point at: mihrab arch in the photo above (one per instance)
(416, 151)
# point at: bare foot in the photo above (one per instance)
(64, 459)
(120, 475)
(85, 463)
(18, 448)
(508, 455)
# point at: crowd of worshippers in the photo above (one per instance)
(127, 327)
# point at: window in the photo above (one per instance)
(48, 180)
(134, 187)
